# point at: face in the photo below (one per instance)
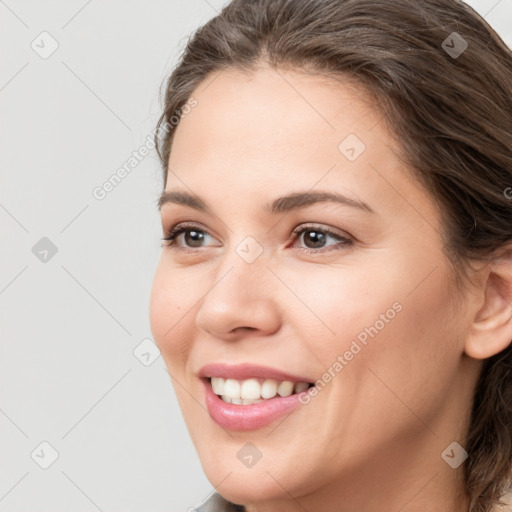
(352, 296)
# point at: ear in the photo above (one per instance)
(491, 330)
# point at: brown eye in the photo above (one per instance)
(315, 238)
(192, 238)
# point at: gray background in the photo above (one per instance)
(70, 323)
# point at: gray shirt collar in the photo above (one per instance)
(216, 503)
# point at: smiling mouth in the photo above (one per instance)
(254, 390)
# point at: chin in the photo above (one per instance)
(244, 487)
(267, 480)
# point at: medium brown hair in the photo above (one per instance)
(450, 110)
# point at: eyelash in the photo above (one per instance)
(172, 234)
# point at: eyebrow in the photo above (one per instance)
(280, 205)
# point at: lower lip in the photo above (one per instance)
(247, 417)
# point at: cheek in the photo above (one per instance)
(170, 305)
(393, 325)
(413, 358)
(342, 304)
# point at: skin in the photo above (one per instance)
(372, 438)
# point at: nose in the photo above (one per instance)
(241, 299)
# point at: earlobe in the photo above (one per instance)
(491, 330)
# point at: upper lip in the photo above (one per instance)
(245, 371)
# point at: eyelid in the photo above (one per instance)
(344, 240)
(170, 234)
(325, 229)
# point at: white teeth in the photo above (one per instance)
(249, 402)
(251, 391)
(218, 385)
(232, 388)
(239, 401)
(299, 387)
(269, 388)
(285, 388)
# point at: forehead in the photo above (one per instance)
(272, 119)
(266, 132)
(274, 106)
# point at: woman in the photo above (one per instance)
(334, 296)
